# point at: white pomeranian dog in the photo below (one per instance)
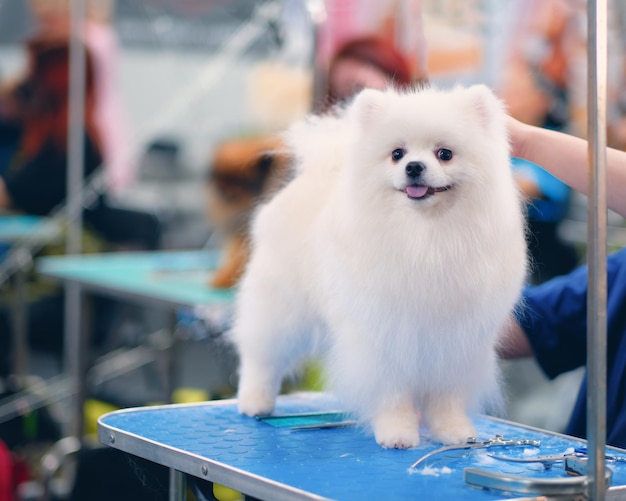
(399, 250)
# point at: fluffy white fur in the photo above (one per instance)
(407, 295)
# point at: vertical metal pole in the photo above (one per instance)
(493, 45)
(596, 245)
(178, 485)
(317, 14)
(170, 358)
(76, 127)
(75, 168)
(19, 317)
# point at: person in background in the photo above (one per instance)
(376, 39)
(52, 21)
(367, 62)
(398, 23)
(551, 320)
(34, 178)
(33, 181)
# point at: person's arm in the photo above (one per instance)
(513, 342)
(5, 199)
(565, 156)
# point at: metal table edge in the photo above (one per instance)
(259, 486)
(193, 464)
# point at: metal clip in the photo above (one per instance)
(548, 460)
(576, 483)
(473, 443)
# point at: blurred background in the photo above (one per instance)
(181, 106)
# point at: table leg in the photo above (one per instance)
(20, 327)
(177, 485)
(172, 354)
(202, 489)
(77, 340)
(168, 358)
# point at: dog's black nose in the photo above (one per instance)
(414, 169)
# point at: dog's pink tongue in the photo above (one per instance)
(416, 191)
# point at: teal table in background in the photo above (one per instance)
(178, 278)
(14, 228)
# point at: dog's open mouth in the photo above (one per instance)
(418, 191)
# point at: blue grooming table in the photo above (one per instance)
(213, 442)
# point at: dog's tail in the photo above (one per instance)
(319, 141)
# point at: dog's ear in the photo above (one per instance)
(368, 106)
(484, 103)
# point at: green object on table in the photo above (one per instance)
(313, 420)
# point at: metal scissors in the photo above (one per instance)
(474, 443)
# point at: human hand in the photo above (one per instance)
(5, 200)
(518, 132)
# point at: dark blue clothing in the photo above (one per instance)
(39, 184)
(10, 134)
(554, 318)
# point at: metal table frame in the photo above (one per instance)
(211, 442)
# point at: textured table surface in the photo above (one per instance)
(212, 441)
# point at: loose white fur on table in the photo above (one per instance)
(398, 250)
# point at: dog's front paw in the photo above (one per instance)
(397, 438)
(397, 430)
(452, 431)
(256, 402)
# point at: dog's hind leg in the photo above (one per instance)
(447, 419)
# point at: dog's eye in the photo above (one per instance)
(444, 154)
(397, 154)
